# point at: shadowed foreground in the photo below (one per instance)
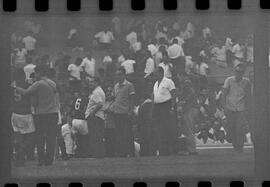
(210, 163)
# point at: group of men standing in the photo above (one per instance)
(36, 110)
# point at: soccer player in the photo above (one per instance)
(79, 123)
(21, 119)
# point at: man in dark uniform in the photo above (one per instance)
(79, 123)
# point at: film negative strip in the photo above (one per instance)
(134, 93)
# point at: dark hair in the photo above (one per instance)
(19, 74)
(160, 70)
(175, 41)
(42, 70)
(78, 61)
(122, 69)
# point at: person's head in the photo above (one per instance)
(78, 61)
(251, 76)
(19, 75)
(162, 49)
(120, 74)
(175, 41)
(165, 58)
(239, 70)
(41, 71)
(160, 73)
(92, 82)
(89, 55)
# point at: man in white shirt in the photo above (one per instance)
(164, 97)
(105, 39)
(28, 70)
(175, 50)
(236, 96)
(167, 67)
(75, 75)
(29, 43)
(88, 65)
(131, 38)
(95, 118)
(129, 66)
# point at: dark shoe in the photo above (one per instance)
(193, 153)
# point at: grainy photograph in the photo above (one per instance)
(135, 96)
(132, 95)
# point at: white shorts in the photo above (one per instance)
(22, 123)
(79, 126)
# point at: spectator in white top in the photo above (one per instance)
(28, 70)
(29, 44)
(175, 50)
(153, 49)
(137, 46)
(19, 57)
(121, 58)
(167, 67)
(129, 66)
(88, 65)
(149, 65)
(95, 118)
(164, 97)
(75, 75)
(206, 32)
(131, 38)
(105, 39)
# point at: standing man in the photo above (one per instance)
(190, 108)
(122, 107)
(75, 75)
(164, 93)
(22, 120)
(79, 123)
(95, 118)
(89, 65)
(46, 113)
(235, 98)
